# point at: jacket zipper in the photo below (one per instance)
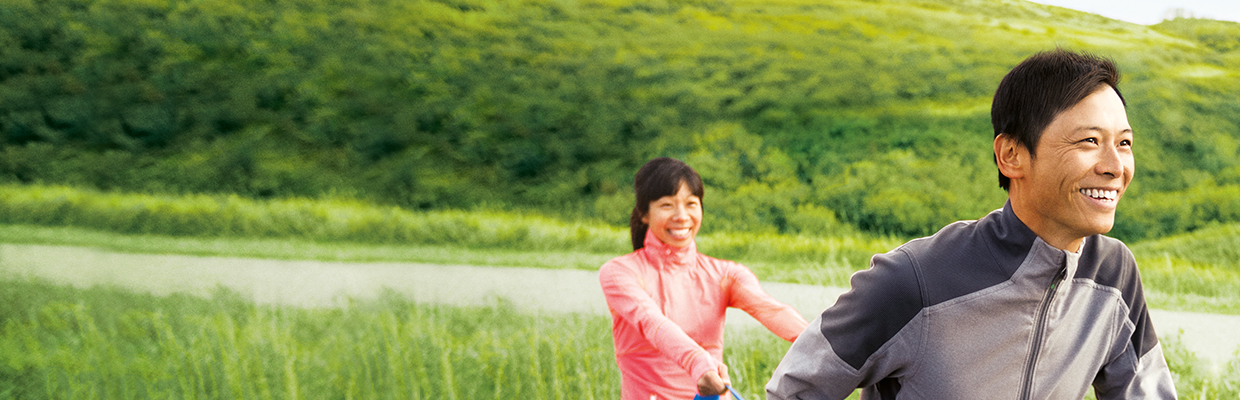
(1027, 388)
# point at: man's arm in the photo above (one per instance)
(840, 350)
(1138, 369)
(1136, 377)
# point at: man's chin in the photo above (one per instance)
(1103, 227)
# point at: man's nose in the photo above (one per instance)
(1109, 162)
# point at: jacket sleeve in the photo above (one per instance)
(1133, 377)
(746, 293)
(627, 299)
(860, 342)
(1138, 369)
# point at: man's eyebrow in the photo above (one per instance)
(1100, 129)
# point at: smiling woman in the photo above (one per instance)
(669, 203)
(668, 302)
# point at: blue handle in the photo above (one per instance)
(735, 394)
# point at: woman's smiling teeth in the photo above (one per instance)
(1100, 194)
(679, 233)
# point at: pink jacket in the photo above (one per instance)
(667, 307)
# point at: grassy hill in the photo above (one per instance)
(817, 117)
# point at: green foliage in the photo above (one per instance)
(751, 187)
(903, 194)
(1168, 213)
(803, 116)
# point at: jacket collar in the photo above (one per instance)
(1011, 231)
(663, 256)
(1014, 235)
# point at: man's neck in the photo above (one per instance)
(1066, 241)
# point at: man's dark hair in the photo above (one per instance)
(1042, 86)
(659, 177)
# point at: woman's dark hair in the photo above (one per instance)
(1041, 87)
(659, 177)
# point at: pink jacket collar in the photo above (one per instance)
(663, 256)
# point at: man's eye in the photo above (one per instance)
(1091, 140)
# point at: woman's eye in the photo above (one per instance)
(1125, 142)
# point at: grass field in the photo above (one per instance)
(60, 343)
(1197, 271)
(98, 343)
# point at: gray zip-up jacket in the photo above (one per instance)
(984, 310)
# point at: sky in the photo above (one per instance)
(1146, 12)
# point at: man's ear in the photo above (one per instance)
(1011, 156)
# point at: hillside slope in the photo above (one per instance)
(801, 116)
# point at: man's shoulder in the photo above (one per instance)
(1109, 262)
(951, 237)
(963, 257)
(961, 242)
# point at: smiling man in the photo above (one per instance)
(1028, 302)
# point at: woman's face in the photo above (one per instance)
(675, 219)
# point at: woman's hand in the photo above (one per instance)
(712, 383)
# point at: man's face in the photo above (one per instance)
(1081, 169)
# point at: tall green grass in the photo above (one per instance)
(97, 343)
(59, 342)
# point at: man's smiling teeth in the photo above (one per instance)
(1100, 194)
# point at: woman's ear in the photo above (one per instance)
(1011, 156)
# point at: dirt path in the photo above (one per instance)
(329, 284)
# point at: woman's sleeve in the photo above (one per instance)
(746, 294)
(626, 298)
